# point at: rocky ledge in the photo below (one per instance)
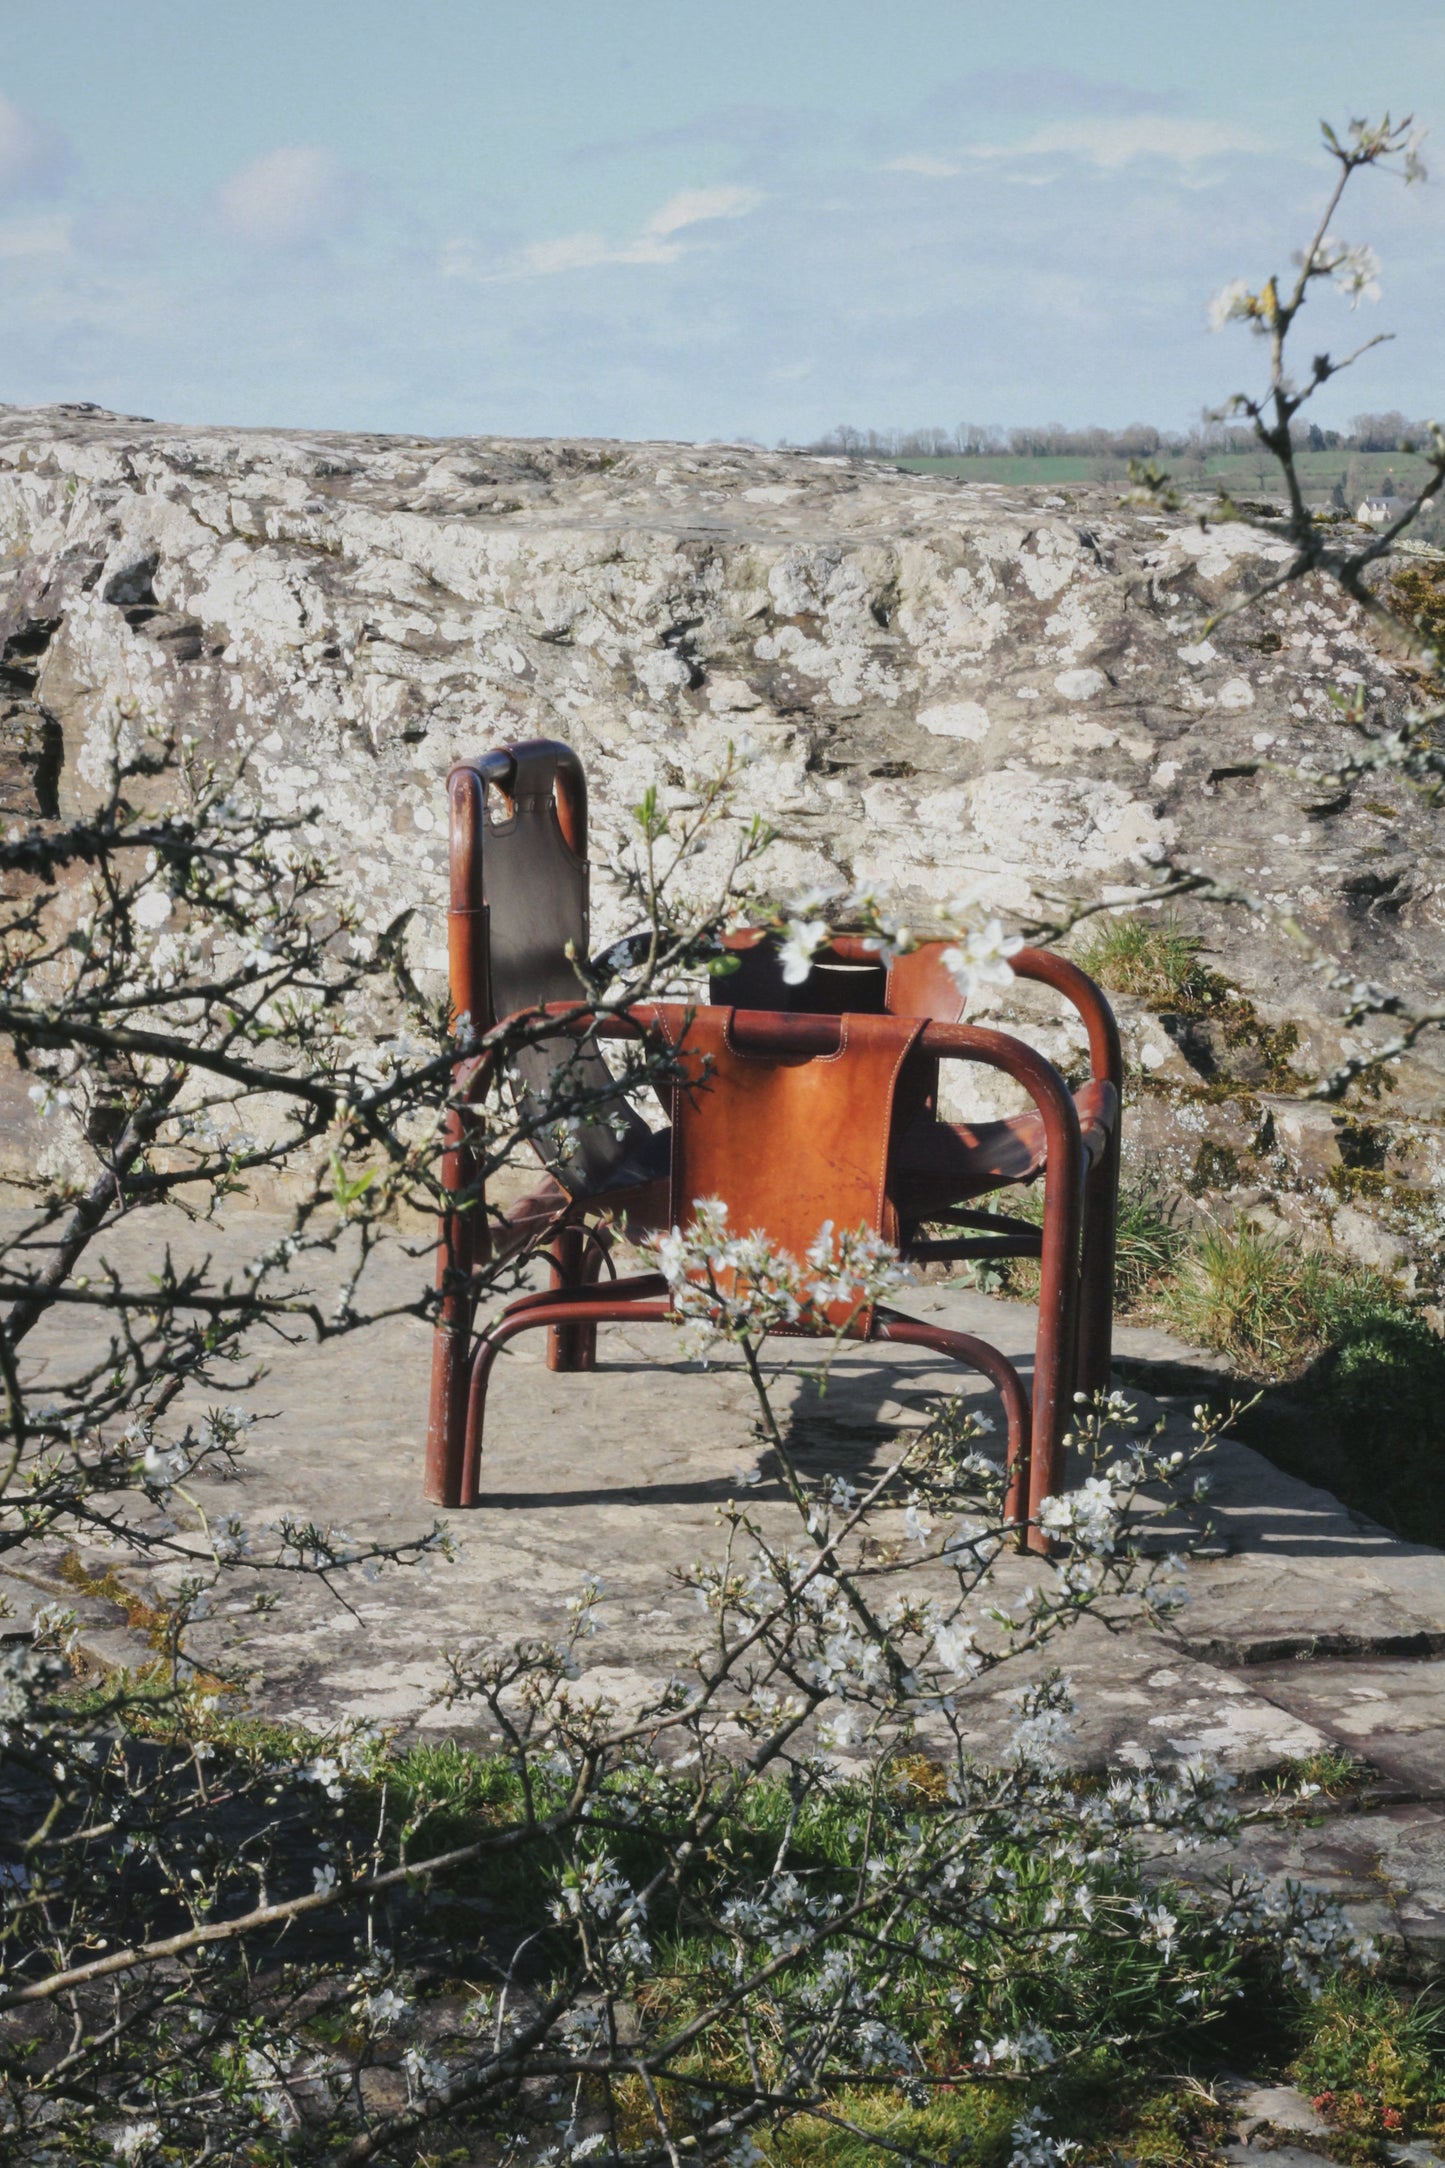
(940, 685)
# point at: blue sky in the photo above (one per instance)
(646, 218)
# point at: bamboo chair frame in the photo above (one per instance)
(1075, 1245)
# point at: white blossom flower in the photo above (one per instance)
(428, 2074)
(981, 957)
(855, 1266)
(594, 1890)
(917, 1527)
(1358, 276)
(671, 1252)
(582, 1608)
(49, 1098)
(55, 1622)
(799, 945)
(152, 907)
(232, 1537)
(1043, 1724)
(324, 1770)
(135, 2141)
(1159, 1925)
(812, 899)
(840, 1730)
(266, 2094)
(163, 1465)
(386, 2007)
(955, 1649)
(892, 939)
(1034, 2148)
(1233, 303)
(1089, 1514)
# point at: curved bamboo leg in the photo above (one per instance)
(1101, 1187)
(1055, 1351)
(463, 1242)
(576, 1262)
(1001, 1374)
(1096, 1269)
(646, 1303)
(461, 1248)
(575, 1310)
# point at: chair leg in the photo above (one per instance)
(1055, 1350)
(576, 1261)
(1096, 1270)
(582, 1310)
(1001, 1374)
(461, 1246)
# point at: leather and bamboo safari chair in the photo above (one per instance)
(794, 1114)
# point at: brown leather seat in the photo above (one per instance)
(937, 1161)
(639, 1202)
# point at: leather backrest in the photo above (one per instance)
(787, 1143)
(535, 888)
(920, 984)
(857, 984)
(534, 885)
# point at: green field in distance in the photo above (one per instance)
(1242, 473)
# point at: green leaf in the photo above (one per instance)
(347, 1192)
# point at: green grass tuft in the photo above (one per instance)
(1156, 961)
(1253, 1296)
(1374, 2063)
(1150, 1243)
(964, 2122)
(1151, 958)
(1363, 1410)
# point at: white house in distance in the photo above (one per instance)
(1379, 511)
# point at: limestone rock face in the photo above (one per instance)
(939, 686)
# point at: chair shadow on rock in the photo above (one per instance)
(793, 1104)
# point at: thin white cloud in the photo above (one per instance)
(655, 243)
(33, 160)
(932, 169)
(286, 198)
(1117, 141)
(586, 251)
(695, 206)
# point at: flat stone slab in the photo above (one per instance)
(1309, 1628)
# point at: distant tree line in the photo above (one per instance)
(1392, 432)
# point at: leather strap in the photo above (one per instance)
(788, 1144)
(534, 774)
